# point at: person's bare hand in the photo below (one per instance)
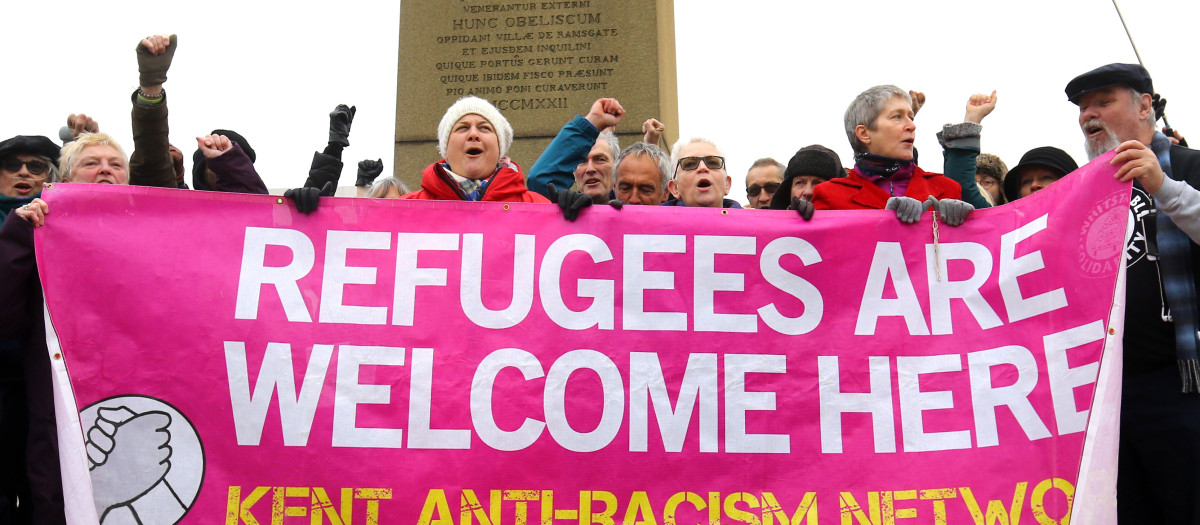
(34, 212)
(156, 44)
(605, 113)
(979, 106)
(80, 123)
(918, 100)
(212, 146)
(1138, 162)
(154, 54)
(653, 130)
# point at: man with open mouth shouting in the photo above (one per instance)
(700, 178)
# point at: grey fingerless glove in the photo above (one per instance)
(152, 69)
(908, 209)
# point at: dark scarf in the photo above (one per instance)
(8, 204)
(880, 170)
(1174, 258)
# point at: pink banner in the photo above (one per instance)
(384, 361)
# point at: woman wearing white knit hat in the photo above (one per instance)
(473, 139)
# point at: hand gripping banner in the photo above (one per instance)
(382, 361)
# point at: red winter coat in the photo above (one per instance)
(855, 192)
(506, 185)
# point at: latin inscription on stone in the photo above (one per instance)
(527, 58)
(539, 63)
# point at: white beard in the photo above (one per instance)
(1100, 145)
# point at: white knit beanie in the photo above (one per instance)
(472, 104)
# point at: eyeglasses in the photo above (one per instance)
(754, 190)
(691, 163)
(36, 167)
(987, 182)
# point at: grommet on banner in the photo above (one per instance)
(505, 207)
(1112, 331)
(724, 212)
(48, 185)
(278, 201)
(57, 355)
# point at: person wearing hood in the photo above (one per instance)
(1039, 167)
(810, 166)
(224, 161)
(879, 124)
(700, 179)
(474, 139)
(26, 163)
(990, 172)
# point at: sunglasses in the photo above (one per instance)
(36, 167)
(691, 163)
(754, 190)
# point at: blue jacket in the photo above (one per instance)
(567, 151)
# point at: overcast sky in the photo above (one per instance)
(762, 79)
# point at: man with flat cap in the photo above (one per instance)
(1158, 477)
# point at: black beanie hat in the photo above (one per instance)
(814, 161)
(199, 163)
(1046, 157)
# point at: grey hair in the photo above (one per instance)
(1136, 98)
(679, 144)
(52, 172)
(645, 149)
(866, 109)
(380, 187)
(613, 145)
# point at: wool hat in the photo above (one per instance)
(472, 104)
(814, 161)
(1132, 75)
(200, 163)
(31, 145)
(1046, 157)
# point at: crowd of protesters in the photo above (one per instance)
(1159, 477)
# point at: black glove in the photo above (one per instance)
(306, 198)
(803, 207)
(339, 124)
(152, 69)
(616, 203)
(571, 202)
(368, 170)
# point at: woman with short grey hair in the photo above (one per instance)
(879, 124)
